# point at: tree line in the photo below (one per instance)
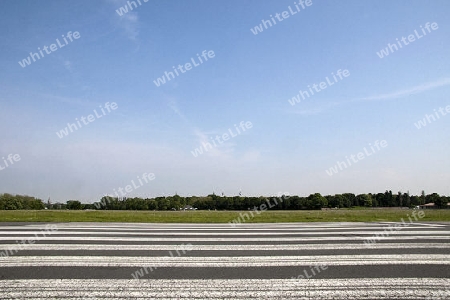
(14, 202)
(215, 202)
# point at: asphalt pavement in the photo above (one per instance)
(219, 261)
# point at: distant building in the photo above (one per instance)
(188, 207)
(431, 206)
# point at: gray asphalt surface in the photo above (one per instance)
(207, 261)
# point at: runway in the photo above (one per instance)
(218, 261)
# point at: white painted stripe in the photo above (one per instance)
(218, 226)
(190, 225)
(247, 233)
(224, 239)
(285, 247)
(390, 288)
(376, 288)
(223, 261)
(228, 228)
(423, 224)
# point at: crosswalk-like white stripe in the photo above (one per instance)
(244, 237)
(225, 239)
(223, 261)
(224, 226)
(430, 225)
(4, 230)
(376, 288)
(115, 233)
(224, 247)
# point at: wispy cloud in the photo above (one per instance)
(173, 105)
(414, 90)
(128, 22)
(393, 95)
(223, 151)
(68, 65)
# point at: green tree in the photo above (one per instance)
(406, 200)
(415, 200)
(422, 197)
(365, 199)
(439, 201)
(400, 199)
(339, 201)
(316, 201)
(349, 199)
(74, 204)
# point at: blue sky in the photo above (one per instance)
(251, 77)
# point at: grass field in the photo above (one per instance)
(342, 215)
